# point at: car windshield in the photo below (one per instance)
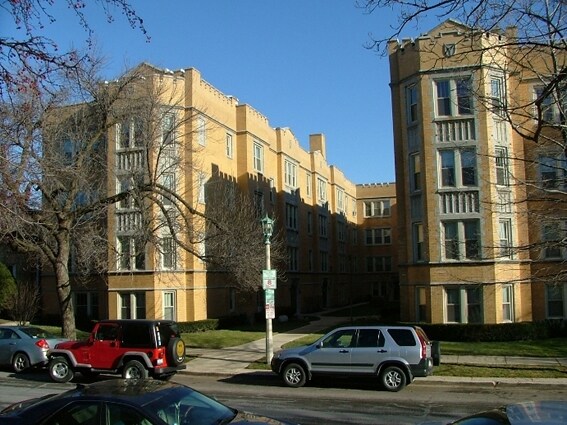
(36, 333)
(184, 405)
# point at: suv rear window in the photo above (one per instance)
(403, 337)
(166, 331)
(136, 335)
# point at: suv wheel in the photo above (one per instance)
(134, 370)
(393, 378)
(176, 351)
(294, 375)
(60, 370)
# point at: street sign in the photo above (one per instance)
(269, 279)
(270, 303)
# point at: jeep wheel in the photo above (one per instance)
(393, 378)
(20, 362)
(134, 370)
(60, 370)
(294, 375)
(175, 352)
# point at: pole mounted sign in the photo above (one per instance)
(268, 279)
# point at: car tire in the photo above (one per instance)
(293, 375)
(134, 370)
(60, 370)
(20, 362)
(175, 351)
(393, 378)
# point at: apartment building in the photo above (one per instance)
(340, 237)
(479, 230)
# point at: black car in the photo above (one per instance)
(128, 402)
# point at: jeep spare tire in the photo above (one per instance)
(175, 351)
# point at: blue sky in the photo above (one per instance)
(301, 63)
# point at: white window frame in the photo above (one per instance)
(130, 301)
(258, 157)
(508, 303)
(556, 293)
(321, 190)
(378, 236)
(340, 200)
(229, 145)
(323, 225)
(290, 174)
(459, 164)
(460, 240)
(554, 232)
(132, 258)
(411, 103)
(291, 212)
(452, 98)
(309, 184)
(169, 305)
(168, 253)
(505, 234)
(501, 163)
(463, 307)
(553, 172)
(377, 208)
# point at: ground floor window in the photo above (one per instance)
(86, 306)
(132, 305)
(421, 304)
(555, 300)
(463, 304)
(508, 303)
(169, 305)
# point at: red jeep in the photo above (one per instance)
(134, 348)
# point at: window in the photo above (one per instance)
(321, 190)
(86, 305)
(341, 231)
(378, 236)
(310, 260)
(202, 181)
(555, 300)
(323, 225)
(324, 261)
(308, 189)
(131, 253)
(453, 97)
(415, 172)
(259, 203)
(309, 222)
(508, 303)
(201, 131)
(168, 129)
(501, 160)
(452, 160)
(377, 208)
(411, 102)
(553, 172)
(553, 235)
(132, 305)
(463, 305)
(168, 254)
(379, 264)
(418, 241)
(461, 239)
(291, 216)
(551, 104)
(340, 200)
(258, 155)
(497, 103)
(169, 305)
(421, 304)
(229, 146)
(124, 185)
(290, 174)
(505, 230)
(79, 412)
(170, 186)
(292, 255)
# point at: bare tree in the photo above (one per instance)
(29, 60)
(72, 158)
(24, 303)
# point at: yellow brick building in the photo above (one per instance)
(340, 237)
(468, 234)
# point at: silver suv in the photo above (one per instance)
(394, 354)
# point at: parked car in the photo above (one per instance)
(393, 354)
(22, 347)
(128, 402)
(524, 413)
(135, 349)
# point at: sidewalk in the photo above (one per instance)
(234, 360)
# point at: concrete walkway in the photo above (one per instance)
(234, 360)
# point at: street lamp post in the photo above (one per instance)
(269, 284)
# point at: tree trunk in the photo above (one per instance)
(64, 290)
